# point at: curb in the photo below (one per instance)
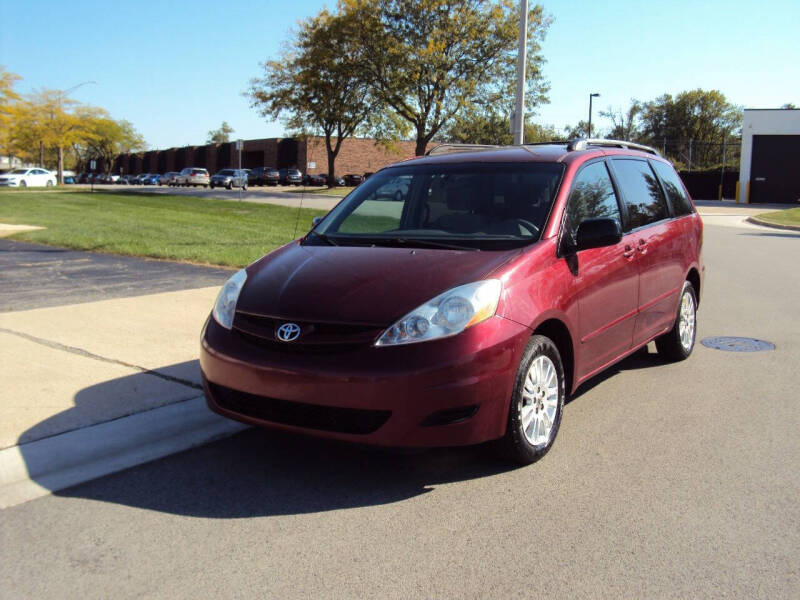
(61, 461)
(756, 221)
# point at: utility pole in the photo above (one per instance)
(589, 133)
(519, 110)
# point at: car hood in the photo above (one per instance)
(364, 285)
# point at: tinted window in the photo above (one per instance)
(592, 196)
(641, 191)
(675, 192)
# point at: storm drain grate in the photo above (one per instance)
(737, 344)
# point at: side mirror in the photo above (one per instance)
(316, 221)
(596, 233)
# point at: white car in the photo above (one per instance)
(28, 178)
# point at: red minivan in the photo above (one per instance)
(468, 309)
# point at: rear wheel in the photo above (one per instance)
(49, 183)
(23, 183)
(678, 342)
(537, 402)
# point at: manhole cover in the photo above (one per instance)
(737, 344)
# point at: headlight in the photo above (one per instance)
(447, 314)
(225, 306)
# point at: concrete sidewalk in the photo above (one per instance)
(71, 373)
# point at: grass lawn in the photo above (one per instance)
(199, 230)
(337, 191)
(784, 217)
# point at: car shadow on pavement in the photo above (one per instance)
(264, 473)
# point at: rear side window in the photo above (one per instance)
(675, 192)
(592, 196)
(641, 191)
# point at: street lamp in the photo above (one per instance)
(589, 133)
(518, 120)
(61, 96)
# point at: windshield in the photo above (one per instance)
(474, 205)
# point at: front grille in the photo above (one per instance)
(299, 414)
(315, 338)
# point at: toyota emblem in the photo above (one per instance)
(288, 332)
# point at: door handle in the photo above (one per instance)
(642, 246)
(628, 252)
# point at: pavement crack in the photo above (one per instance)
(87, 354)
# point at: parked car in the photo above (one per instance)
(167, 178)
(152, 179)
(589, 250)
(290, 177)
(229, 178)
(193, 176)
(34, 177)
(396, 188)
(69, 179)
(339, 182)
(263, 176)
(314, 179)
(353, 180)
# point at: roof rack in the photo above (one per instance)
(452, 148)
(582, 144)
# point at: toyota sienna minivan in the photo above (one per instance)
(469, 309)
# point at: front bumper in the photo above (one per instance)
(449, 392)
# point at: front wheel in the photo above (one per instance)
(678, 343)
(23, 183)
(49, 183)
(537, 402)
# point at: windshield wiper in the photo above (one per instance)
(325, 238)
(431, 244)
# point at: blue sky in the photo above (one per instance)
(176, 70)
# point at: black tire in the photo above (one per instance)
(49, 183)
(516, 445)
(211, 185)
(23, 183)
(671, 345)
(229, 186)
(244, 187)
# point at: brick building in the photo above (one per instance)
(357, 155)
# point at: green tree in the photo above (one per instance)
(693, 122)
(492, 128)
(106, 139)
(221, 135)
(581, 130)
(431, 60)
(625, 123)
(317, 85)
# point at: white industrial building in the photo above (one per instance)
(769, 171)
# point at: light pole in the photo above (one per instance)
(519, 109)
(60, 171)
(589, 132)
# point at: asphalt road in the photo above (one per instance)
(667, 480)
(35, 276)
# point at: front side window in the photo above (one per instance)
(475, 205)
(675, 191)
(592, 197)
(641, 191)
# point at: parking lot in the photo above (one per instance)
(667, 480)
(281, 195)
